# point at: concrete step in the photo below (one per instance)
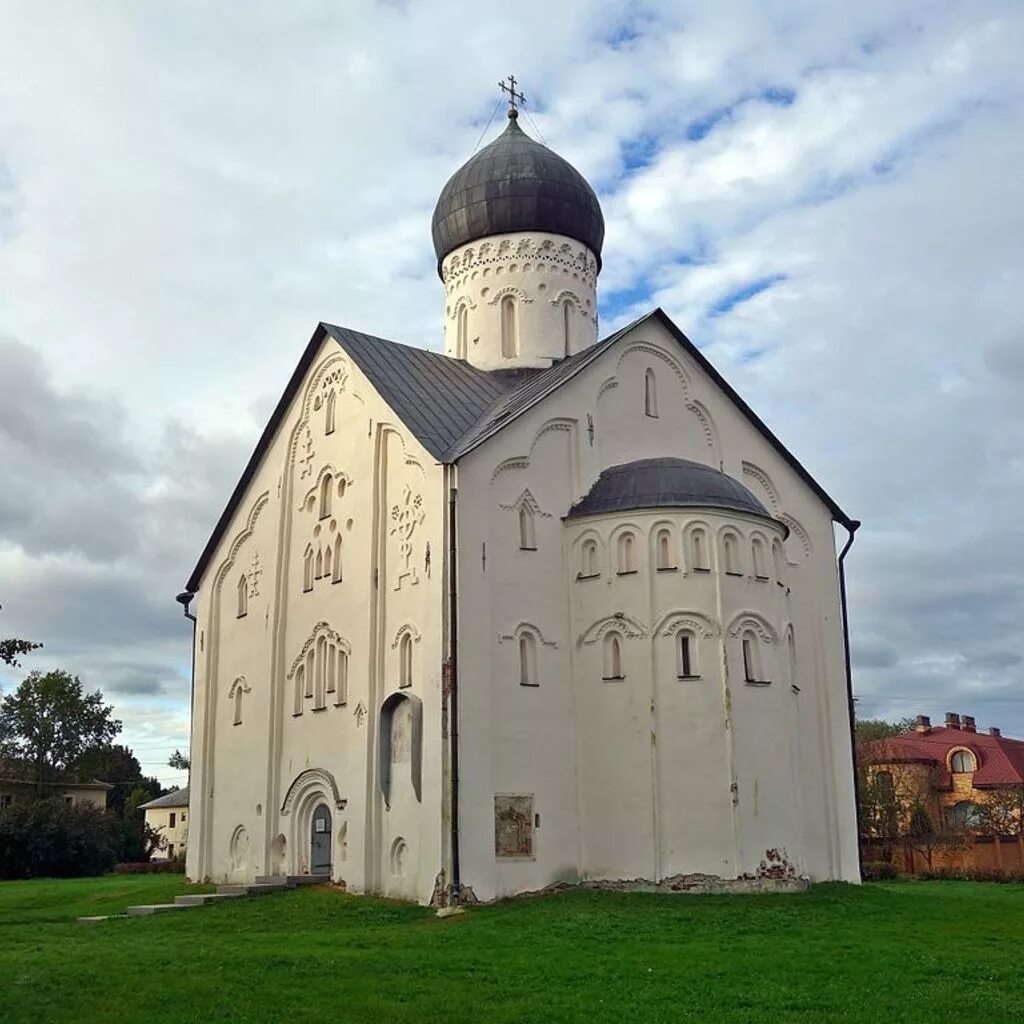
(254, 889)
(292, 880)
(145, 909)
(201, 899)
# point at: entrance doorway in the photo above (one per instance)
(320, 841)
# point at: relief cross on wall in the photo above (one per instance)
(405, 517)
(253, 574)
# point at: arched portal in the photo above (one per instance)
(320, 841)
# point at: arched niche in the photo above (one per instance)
(388, 711)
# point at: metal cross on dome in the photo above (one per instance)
(513, 96)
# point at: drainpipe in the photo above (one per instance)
(852, 526)
(185, 599)
(453, 684)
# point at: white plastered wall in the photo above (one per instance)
(259, 780)
(582, 748)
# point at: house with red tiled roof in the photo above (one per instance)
(955, 771)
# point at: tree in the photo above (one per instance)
(868, 729)
(119, 766)
(11, 650)
(49, 721)
(180, 761)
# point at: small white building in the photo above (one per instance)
(543, 608)
(168, 815)
(94, 793)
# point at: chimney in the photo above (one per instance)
(922, 723)
(967, 723)
(952, 720)
(993, 731)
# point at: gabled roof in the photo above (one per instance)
(452, 407)
(179, 798)
(1000, 759)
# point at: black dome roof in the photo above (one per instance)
(516, 184)
(654, 483)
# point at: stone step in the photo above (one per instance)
(145, 909)
(201, 899)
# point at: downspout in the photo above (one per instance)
(453, 686)
(852, 526)
(185, 599)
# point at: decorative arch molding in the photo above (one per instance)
(243, 535)
(526, 627)
(338, 474)
(556, 423)
(627, 527)
(620, 622)
(800, 536)
(730, 529)
(406, 629)
(509, 289)
(707, 425)
(765, 481)
(238, 685)
(387, 711)
(571, 298)
(658, 353)
(589, 533)
(463, 300)
(321, 629)
(607, 385)
(755, 621)
(312, 781)
(527, 500)
(698, 622)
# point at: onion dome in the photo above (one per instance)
(658, 483)
(516, 184)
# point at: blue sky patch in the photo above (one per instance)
(748, 291)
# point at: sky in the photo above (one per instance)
(825, 197)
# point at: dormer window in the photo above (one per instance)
(962, 761)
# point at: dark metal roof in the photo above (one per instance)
(179, 798)
(452, 407)
(657, 483)
(516, 184)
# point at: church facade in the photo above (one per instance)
(543, 608)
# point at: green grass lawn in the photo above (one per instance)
(926, 951)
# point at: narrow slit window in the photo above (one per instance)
(751, 658)
(527, 536)
(310, 675)
(329, 413)
(405, 661)
(509, 328)
(664, 545)
(332, 677)
(758, 552)
(778, 560)
(567, 327)
(627, 553)
(336, 571)
(650, 394)
(319, 563)
(613, 656)
(732, 561)
(462, 333)
(243, 596)
(341, 692)
(686, 654)
(588, 561)
(307, 570)
(321, 674)
(326, 494)
(791, 650)
(699, 543)
(238, 704)
(300, 690)
(527, 660)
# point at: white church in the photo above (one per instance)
(547, 608)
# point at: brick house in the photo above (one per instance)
(965, 780)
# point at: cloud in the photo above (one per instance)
(826, 205)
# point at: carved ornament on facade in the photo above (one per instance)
(526, 627)
(619, 622)
(406, 516)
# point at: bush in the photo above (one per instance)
(53, 839)
(971, 875)
(877, 870)
(152, 867)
